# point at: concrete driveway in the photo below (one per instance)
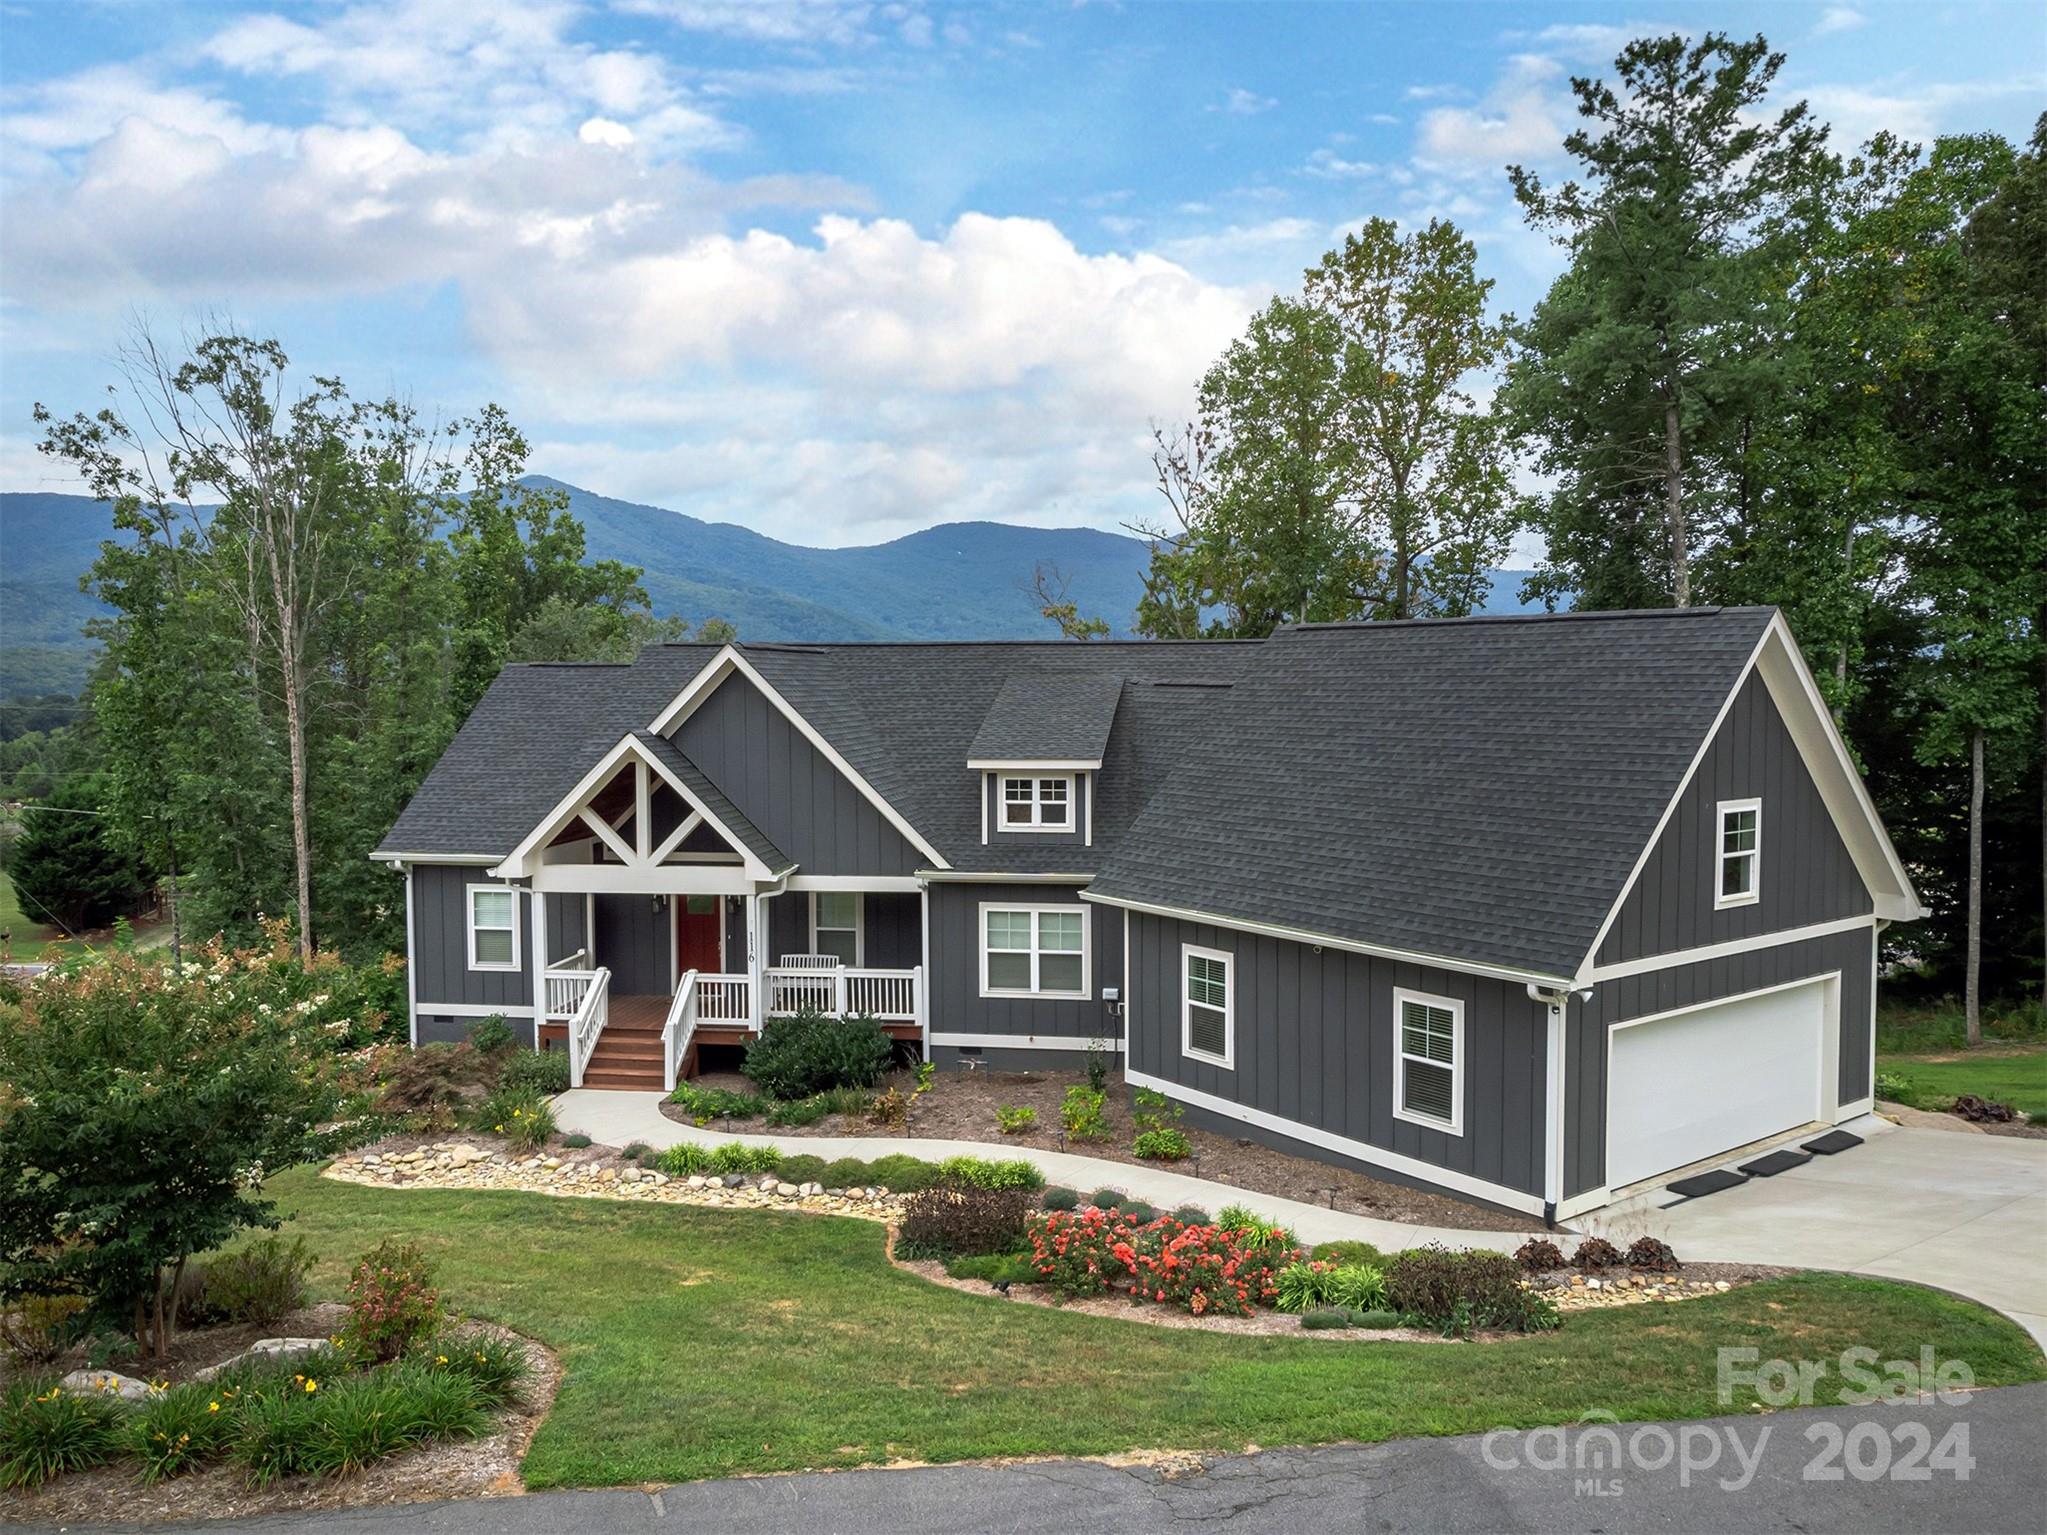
(1966, 1213)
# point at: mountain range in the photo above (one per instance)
(956, 581)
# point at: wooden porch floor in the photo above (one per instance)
(630, 1012)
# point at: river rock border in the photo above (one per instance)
(465, 1165)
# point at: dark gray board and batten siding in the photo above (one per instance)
(957, 1006)
(1679, 986)
(1001, 836)
(1807, 874)
(440, 951)
(1314, 1044)
(891, 939)
(787, 788)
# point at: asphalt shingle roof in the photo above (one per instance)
(1048, 716)
(1475, 790)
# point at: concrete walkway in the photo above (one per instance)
(1964, 1213)
(619, 1119)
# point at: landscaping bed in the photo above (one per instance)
(962, 1105)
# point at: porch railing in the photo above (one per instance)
(567, 983)
(588, 1021)
(677, 1032)
(725, 999)
(889, 995)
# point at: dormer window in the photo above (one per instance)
(1037, 804)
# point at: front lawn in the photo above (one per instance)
(2013, 1075)
(701, 1343)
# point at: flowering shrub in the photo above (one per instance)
(46, 1430)
(392, 1303)
(1082, 1114)
(520, 1115)
(1198, 1269)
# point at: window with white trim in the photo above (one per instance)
(1428, 1058)
(1741, 852)
(1035, 951)
(1207, 1007)
(1037, 804)
(835, 925)
(493, 928)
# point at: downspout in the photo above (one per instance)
(1554, 1001)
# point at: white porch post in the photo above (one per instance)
(757, 958)
(924, 966)
(539, 903)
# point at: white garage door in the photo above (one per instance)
(1695, 1084)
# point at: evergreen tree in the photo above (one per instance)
(66, 870)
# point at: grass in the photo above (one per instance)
(1911, 1028)
(700, 1343)
(29, 936)
(2016, 1075)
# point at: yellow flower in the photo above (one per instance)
(213, 1407)
(312, 1386)
(440, 1359)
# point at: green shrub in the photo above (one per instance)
(262, 1282)
(495, 1366)
(1083, 1113)
(1378, 1320)
(634, 1151)
(46, 1430)
(704, 1104)
(738, 1157)
(37, 1328)
(996, 1268)
(685, 1159)
(847, 1100)
(900, 1173)
(1106, 1199)
(956, 1220)
(1137, 1212)
(1163, 1145)
(803, 1169)
(576, 1142)
(802, 1055)
(1057, 1198)
(1346, 1252)
(182, 1428)
(1895, 1086)
(846, 1173)
(490, 1035)
(1153, 1110)
(1260, 1232)
(980, 1173)
(392, 1302)
(1013, 1119)
(541, 1071)
(1356, 1285)
(1191, 1215)
(520, 1114)
(797, 1111)
(1326, 1319)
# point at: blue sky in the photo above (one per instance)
(832, 270)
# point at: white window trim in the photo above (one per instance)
(859, 926)
(469, 895)
(1721, 812)
(1228, 1059)
(1455, 1125)
(1087, 946)
(1037, 781)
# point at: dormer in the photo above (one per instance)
(1036, 756)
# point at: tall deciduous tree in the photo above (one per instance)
(1635, 361)
(1429, 474)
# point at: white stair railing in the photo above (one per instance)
(678, 1030)
(587, 1023)
(566, 988)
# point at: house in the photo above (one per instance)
(1525, 909)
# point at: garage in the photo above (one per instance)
(1685, 1086)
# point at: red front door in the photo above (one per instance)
(698, 939)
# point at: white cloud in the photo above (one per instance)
(1434, 92)
(795, 23)
(1328, 165)
(1595, 43)
(1242, 103)
(1838, 18)
(1525, 116)
(1236, 239)
(602, 130)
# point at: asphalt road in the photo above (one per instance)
(1479, 1483)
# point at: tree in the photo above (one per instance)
(1430, 482)
(561, 629)
(1635, 365)
(1048, 587)
(140, 1106)
(65, 868)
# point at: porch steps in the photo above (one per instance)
(625, 1058)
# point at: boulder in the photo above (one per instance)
(112, 1382)
(263, 1348)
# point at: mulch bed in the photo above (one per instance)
(960, 1105)
(468, 1468)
